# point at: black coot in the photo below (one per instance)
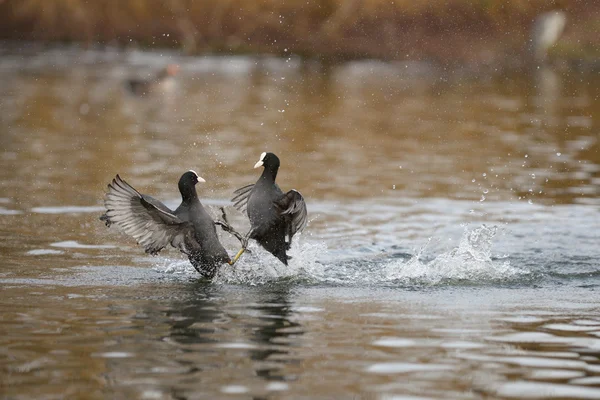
(189, 228)
(274, 216)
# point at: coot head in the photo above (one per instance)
(269, 161)
(187, 183)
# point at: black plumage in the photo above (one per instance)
(189, 228)
(275, 217)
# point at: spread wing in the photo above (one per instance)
(292, 204)
(240, 198)
(146, 219)
(156, 203)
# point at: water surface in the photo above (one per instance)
(452, 250)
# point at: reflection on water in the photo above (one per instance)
(267, 333)
(193, 340)
(546, 94)
(452, 249)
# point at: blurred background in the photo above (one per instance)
(480, 32)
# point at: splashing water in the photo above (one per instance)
(176, 267)
(259, 267)
(469, 263)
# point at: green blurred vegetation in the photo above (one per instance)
(479, 31)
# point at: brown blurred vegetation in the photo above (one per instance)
(463, 31)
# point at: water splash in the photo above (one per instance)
(175, 267)
(469, 263)
(259, 267)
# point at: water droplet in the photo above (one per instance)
(559, 154)
(530, 201)
(484, 174)
(473, 180)
(482, 198)
(526, 155)
(394, 187)
(485, 191)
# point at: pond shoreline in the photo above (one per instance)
(456, 33)
(82, 54)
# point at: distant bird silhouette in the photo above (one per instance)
(163, 82)
(545, 32)
(275, 217)
(189, 228)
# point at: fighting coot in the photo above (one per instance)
(189, 228)
(274, 216)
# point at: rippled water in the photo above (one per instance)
(452, 250)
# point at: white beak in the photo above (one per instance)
(260, 162)
(200, 179)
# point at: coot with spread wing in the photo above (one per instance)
(189, 228)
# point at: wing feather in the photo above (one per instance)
(240, 198)
(292, 204)
(152, 224)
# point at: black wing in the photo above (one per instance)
(292, 204)
(240, 198)
(146, 219)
